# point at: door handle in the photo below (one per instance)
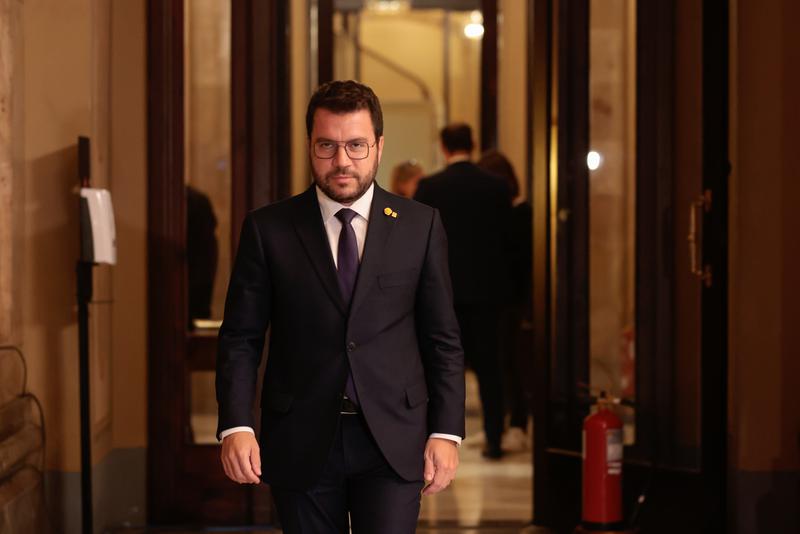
(696, 266)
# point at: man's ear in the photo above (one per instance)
(380, 148)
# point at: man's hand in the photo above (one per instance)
(441, 461)
(241, 458)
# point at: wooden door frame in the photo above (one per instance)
(714, 297)
(540, 38)
(166, 224)
(260, 106)
(325, 41)
(488, 112)
(179, 475)
(557, 464)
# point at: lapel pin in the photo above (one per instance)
(394, 214)
(387, 211)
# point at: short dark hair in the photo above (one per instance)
(457, 137)
(345, 96)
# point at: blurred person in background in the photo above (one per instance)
(405, 177)
(476, 212)
(516, 329)
(202, 253)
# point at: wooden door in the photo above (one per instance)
(218, 146)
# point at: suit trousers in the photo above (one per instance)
(480, 333)
(358, 489)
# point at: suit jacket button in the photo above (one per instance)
(351, 347)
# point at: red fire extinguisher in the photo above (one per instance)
(602, 469)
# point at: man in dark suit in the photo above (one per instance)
(476, 211)
(363, 394)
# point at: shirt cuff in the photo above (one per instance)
(451, 437)
(228, 432)
(225, 433)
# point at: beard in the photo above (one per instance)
(349, 192)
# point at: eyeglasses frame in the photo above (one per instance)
(338, 145)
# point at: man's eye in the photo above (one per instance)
(324, 145)
(358, 145)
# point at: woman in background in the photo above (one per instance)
(405, 177)
(516, 335)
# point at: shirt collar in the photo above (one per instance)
(330, 207)
(457, 158)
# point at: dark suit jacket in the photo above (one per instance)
(400, 337)
(476, 213)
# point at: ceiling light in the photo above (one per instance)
(594, 160)
(388, 6)
(473, 30)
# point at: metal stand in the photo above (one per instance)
(83, 271)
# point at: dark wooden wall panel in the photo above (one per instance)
(166, 246)
(489, 76)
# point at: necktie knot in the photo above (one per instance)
(345, 215)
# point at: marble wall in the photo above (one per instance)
(11, 155)
(612, 193)
(512, 115)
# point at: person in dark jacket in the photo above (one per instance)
(516, 342)
(202, 253)
(363, 396)
(476, 210)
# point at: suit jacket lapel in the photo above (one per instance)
(308, 223)
(378, 232)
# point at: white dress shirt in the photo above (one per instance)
(333, 226)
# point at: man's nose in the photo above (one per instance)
(341, 159)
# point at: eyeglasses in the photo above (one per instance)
(357, 149)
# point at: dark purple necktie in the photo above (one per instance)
(347, 268)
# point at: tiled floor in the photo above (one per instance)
(420, 530)
(444, 530)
